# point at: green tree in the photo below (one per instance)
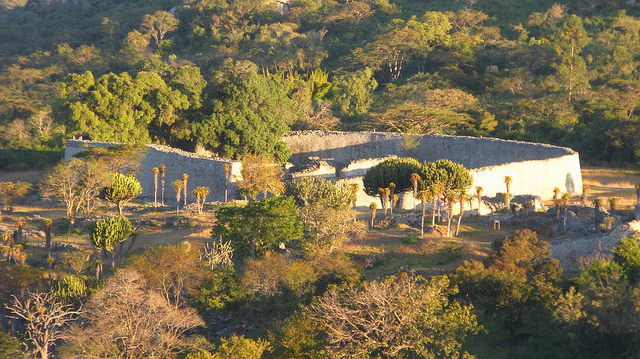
(158, 24)
(353, 92)
(249, 113)
(403, 41)
(122, 190)
(259, 226)
(393, 170)
(110, 232)
(572, 69)
(317, 190)
(444, 177)
(517, 281)
(118, 108)
(239, 347)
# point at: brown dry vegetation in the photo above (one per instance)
(430, 254)
(612, 182)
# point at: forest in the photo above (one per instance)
(290, 269)
(232, 76)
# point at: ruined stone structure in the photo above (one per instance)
(535, 168)
(202, 170)
(345, 157)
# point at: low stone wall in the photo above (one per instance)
(202, 170)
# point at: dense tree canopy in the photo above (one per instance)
(563, 73)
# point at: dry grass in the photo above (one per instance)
(612, 182)
(431, 254)
(32, 176)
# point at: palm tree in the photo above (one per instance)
(200, 193)
(373, 207)
(354, 188)
(177, 186)
(507, 196)
(227, 171)
(479, 191)
(185, 178)
(155, 171)
(415, 179)
(163, 170)
(566, 197)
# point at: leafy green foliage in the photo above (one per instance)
(447, 175)
(122, 190)
(393, 170)
(249, 114)
(10, 347)
(311, 190)
(517, 283)
(258, 226)
(109, 232)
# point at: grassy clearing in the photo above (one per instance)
(612, 182)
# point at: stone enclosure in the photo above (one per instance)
(344, 157)
(536, 169)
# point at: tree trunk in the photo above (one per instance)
(162, 191)
(373, 217)
(120, 209)
(43, 352)
(155, 191)
(433, 211)
(460, 217)
(424, 212)
(47, 237)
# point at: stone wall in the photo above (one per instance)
(535, 168)
(202, 170)
(344, 157)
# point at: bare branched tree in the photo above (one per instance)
(44, 316)
(399, 315)
(127, 320)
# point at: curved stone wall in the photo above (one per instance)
(535, 168)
